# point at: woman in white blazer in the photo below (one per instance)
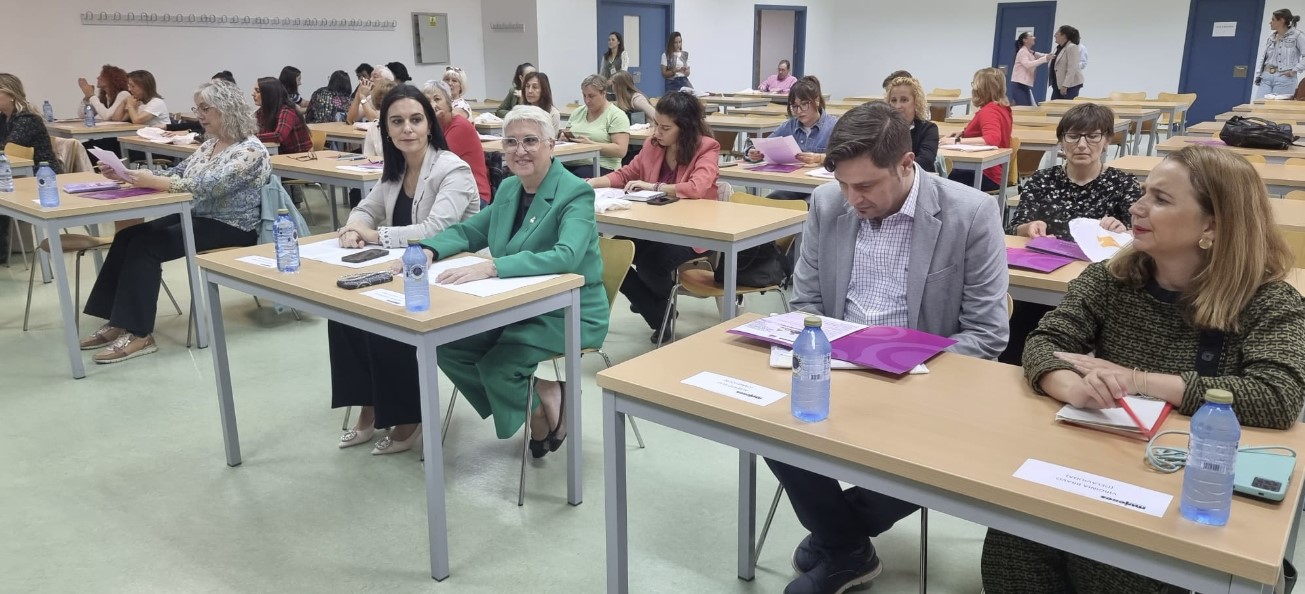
(1068, 79)
(424, 189)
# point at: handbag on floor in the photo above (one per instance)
(1259, 133)
(760, 266)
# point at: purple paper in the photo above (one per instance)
(1059, 247)
(1035, 261)
(775, 168)
(889, 348)
(119, 193)
(90, 187)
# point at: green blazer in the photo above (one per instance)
(559, 235)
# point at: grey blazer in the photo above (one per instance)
(956, 277)
(446, 194)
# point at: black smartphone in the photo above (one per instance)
(662, 200)
(727, 164)
(365, 255)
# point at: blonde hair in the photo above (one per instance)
(1248, 249)
(989, 86)
(380, 89)
(12, 86)
(624, 88)
(462, 81)
(917, 95)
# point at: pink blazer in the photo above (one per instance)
(695, 180)
(1026, 66)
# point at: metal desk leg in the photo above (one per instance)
(747, 514)
(731, 309)
(42, 256)
(192, 272)
(978, 179)
(614, 498)
(574, 466)
(597, 168)
(149, 158)
(436, 518)
(97, 255)
(65, 302)
(222, 375)
(330, 204)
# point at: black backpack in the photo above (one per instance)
(1258, 133)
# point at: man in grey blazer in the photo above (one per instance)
(888, 244)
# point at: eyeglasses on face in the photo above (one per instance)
(1092, 137)
(801, 105)
(198, 109)
(530, 143)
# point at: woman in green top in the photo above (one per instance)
(514, 94)
(599, 122)
(1197, 301)
(540, 222)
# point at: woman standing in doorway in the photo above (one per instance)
(1066, 69)
(1026, 67)
(675, 63)
(614, 59)
(1283, 59)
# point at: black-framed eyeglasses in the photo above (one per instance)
(309, 156)
(802, 105)
(530, 143)
(1092, 137)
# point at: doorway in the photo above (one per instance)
(1219, 55)
(1013, 18)
(645, 26)
(778, 33)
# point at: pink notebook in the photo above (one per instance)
(886, 348)
(119, 193)
(1034, 260)
(90, 187)
(1059, 247)
(775, 168)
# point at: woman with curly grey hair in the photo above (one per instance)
(225, 177)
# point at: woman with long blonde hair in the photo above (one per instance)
(992, 124)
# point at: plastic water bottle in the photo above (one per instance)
(286, 238)
(416, 288)
(89, 114)
(1211, 458)
(6, 174)
(47, 188)
(48, 111)
(811, 353)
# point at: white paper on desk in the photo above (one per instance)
(109, 159)
(1153, 503)
(734, 388)
(608, 193)
(640, 127)
(968, 148)
(388, 296)
(485, 287)
(489, 137)
(362, 125)
(780, 150)
(369, 168)
(1098, 244)
(330, 252)
(602, 205)
(263, 261)
(821, 173)
(786, 327)
(782, 358)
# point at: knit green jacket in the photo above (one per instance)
(1263, 364)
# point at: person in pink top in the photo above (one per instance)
(781, 81)
(1026, 69)
(680, 159)
(991, 125)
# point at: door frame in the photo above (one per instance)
(669, 5)
(996, 44)
(799, 58)
(1187, 46)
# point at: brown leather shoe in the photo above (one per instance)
(126, 347)
(101, 338)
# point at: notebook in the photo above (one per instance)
(118, 193)
(885, 348)
(1138, 417)
(1034, 260)
(78, 188)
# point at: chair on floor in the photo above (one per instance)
(618, 255)
(15, 231)
(1013, 170)
(939, 114)
(1295, 162)
(1166, 123)
(1128, 95)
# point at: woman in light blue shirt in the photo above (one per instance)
(809, 126)
(1283, 60)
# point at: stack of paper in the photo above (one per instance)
(1098, 244)
(1137, 417)
(886, 348)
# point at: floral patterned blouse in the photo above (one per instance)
(325, 103)
(227, 186)
(1049, 196)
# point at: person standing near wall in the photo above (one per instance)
(1025, 71)
(1283, 60)
(1067, 75)
(614, 59)
(675, 63)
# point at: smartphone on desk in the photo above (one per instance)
(365, 255)
(662, 200)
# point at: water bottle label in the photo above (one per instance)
(811, 367)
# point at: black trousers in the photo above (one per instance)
(1023, 320)
(966, 176)
(372, 370)
(838, 519)
(5, 223)
(127, 291)
(1070, 92)
(648, 285)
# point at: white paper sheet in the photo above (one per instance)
(388, 296)
(486, 287)
(1147, 410)
(1097, 244)
(374, 168)
(330, 252)
(1153, 503)
(263, 261)
(821, 173)
(110, 159)
(781, 150)
(608, 193)
(786, 327)
(734, 388)
(782, 358)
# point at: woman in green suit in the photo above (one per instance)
(541, 222)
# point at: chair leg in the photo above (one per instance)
(348, 410)
(765, 528)
(525, 443)
(31, 282)
(448, 416)
(667, 318)
(190, 326)
(257, 304)
(924, 549)
(164, 284)
(633, 426)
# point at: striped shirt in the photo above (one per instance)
(876, 296)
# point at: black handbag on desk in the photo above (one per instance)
(1258, 133)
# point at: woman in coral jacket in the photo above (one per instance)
(680, 159)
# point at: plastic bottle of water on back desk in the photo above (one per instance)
(1211, 461)
(88, 116)
(6, 175)
(809, 398)
(47, 187)
(47, 111)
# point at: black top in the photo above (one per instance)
(1049, 196)
(402, 209)
(185, 126)
(526, 199)
(924, 143)
(28, 129)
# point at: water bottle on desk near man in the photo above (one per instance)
(811, 369)
(286, 240)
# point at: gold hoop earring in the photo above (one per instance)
(1205, 243)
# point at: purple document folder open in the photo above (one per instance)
(119, 193)
(775, 168)
(90, 186)
(1035, 261)
(886, 348)
(1059, 247)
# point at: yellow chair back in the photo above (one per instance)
(1295, 162)
(1256, 159)
(1127, 96)
(1295, 195)
(319, 139)
(19, 151)
(946, 92)
(617, 256)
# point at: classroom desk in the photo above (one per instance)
(324, 170)
(176, 151)
(725, 227)
(793, 181)
(780, 111)
(483, 106)
(1272, 106)
(725, 103)
(1035, 138)
(977, 161)
(73, 211)
(937, 101)
(1213, 128)
(78, 131)
(1177, 110)
(1034, 120)
(772, 97)
(1281, 117)
(1279, 179)
(901, 436)
(567, 152)
(452, 316)
(340, 132)
(22, 167)
(1272, 156)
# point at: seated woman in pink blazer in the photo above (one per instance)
(679, 159)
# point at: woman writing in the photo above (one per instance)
(225, 176)
(278, 118)
(541, 222)
(675, 63)
(1066, 65)
(1026, 66)
(991, 125)
(513, 97)
(907, 96)
(461, 135)
(679, 159)
(456, 79)
(110, 104)
(331, 102)
(601, 123)
(145, 106)
(424, 189)
(631, 100)
(1196, 302)
(614, 59)
(537, 92)
(1280, 66)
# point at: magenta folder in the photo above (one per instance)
(886, 348)
(1035, 261)
(775, 168)
(119, 193)
(90, 187)
(1059, 247)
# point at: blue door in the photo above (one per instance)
(1219, 56)
(645, 26)
(1014, 18)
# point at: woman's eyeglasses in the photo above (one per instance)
(309, 156)
(200, 108)
(453, 69)
(801, 105)
(530, 143)
(1092, 137)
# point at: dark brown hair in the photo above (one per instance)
(1086, 118)
(1284, 15)
(145, 81)
(545, 91)
(872, 130)
(686, 110)
(806, 89)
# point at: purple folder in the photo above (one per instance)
(119, 193)
(886, 348)
(1035, 261)
(775, 168)
(1059, 247)
(90, 187)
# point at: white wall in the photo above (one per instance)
(504, 50)
(776, 41)
(718, 36)
(183, 57)
(568, 46)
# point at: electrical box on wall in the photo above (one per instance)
(430, 38)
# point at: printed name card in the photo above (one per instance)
(735, 388)
(1153, 503)
(263, 261)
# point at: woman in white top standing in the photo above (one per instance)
(1026, 69)
(1283, 60)
(456, 79)
(675, 63)
(111, 102)
(145, 106)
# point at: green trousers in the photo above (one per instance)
(493, 375)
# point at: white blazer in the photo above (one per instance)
(446, 194)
